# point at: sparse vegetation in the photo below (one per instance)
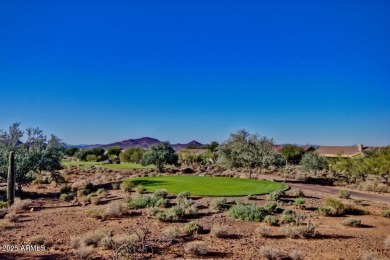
(196, 248)
(220, 231)
(344, 194)
(386, 213)
(263, 231)
(271, 220)
(332, 207)
(248, 212)
(352, 222)
(219, 204)
(192, 228)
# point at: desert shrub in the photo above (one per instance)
(183, 194)
(272, 253)
(126, 185)
(296, 255)
(153, 211)
(65, 189)
(196, 248)
(331, 207)
(116, 210)
(66, 197)
(179, 210)
(12, 217)
(276, 195)
(37, 240)
(167, 216)
(3, 204)
(299, 217)
(139, 189)
(304, 231)
(128, 200)
(163, 193)
(186, 203)
(83, 192)
(219, 204)
(352, 222)
(193, 210)
(288, 212)
(344, 194)
(299, 202)
(96, 212)
(270, 207)
(75, 242)
(248, 212)
(263, 231)
(220, 231)
(162, 203)
(140, 202)
(386, 213)
(271, 220)
(299, 193)
(370, 256)
(83, 252)
(386, 243)
(20, 205)
(191, 228)
(85, 200)
(170, 234)
(94, 237)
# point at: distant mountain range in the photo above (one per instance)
(144, 142)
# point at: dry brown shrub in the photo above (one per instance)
(196, 248)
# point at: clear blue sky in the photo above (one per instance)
(100, 71)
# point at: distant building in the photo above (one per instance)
(341, 151)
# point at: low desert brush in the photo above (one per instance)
(248, 212)
(271, 220)
(344, 194)
(219, 204)
(352, 222)
(220, 231)
(263, 231)
(191, 228)
(196, 248)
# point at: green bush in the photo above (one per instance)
(299, 202)
(140, 202)
(219, 204)
(126, 185)
(163, 193)
(271, 220)
(183, 194)
(270, 207)
(332, 207)
(66, 197)
(287, 218)
(386, 213)
(162, 203)
(352, 222)
(299, 193)
(276, 195)
(167, 216)
(344, 194)
(248, 212)
(3, 204)
(192, 227)
(139, 189)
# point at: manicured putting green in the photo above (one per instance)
(209, 186)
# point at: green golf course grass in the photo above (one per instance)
(209, 186)
(111, 166)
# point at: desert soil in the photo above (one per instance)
(57, 221)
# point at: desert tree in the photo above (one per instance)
(247, 151)
(35, 155)
(159, 155)
(133, 155)
(291, 152)
(313, 162)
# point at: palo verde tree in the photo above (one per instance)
(313, 162)
(247, 151)
(35, 155)
(160, 154)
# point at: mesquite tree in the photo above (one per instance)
(160, 154)
(248, 151)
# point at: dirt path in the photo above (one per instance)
(381, 198)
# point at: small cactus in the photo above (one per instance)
(11, 180)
